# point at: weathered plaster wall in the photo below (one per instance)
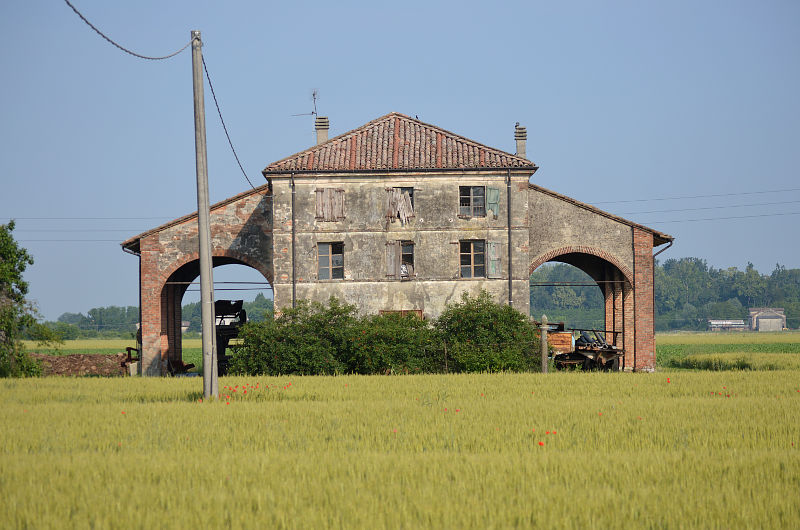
(436, 230)
(556, 223)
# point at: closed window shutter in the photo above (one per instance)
(319, 212)
(495, 268)
(493, 201)
(392, 261)
(338, 205)
(391, 209)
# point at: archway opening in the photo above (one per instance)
(181, 324)
(589, 295)
(566, 294)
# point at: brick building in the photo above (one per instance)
(400, 215)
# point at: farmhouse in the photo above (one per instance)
(401, 215)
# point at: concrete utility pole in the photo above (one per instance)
(210, 383)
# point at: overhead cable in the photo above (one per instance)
(713, 207)
(699, 196)
(122, 47)
(214, 95)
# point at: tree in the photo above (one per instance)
(15, 312)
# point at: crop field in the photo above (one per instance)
(729, 351)
(581, 450)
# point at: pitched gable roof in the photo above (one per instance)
(396, 141)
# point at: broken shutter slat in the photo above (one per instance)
(406, 210)
(493, 201)
(493, 251)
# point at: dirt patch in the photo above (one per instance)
(82, 364)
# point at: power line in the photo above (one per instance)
(214, 95)
(724, 218)
(74, 230)
(121, 47)
(700, 196)
(84, 218)
(713, 207)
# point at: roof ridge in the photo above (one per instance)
(383, 150)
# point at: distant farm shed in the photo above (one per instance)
(767, 319)
(726, 325)
(402, 215)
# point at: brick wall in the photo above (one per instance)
(643, 300)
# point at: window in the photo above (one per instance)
(331, 261)
(472, 201)
(400, 259)
(400, 204)
(473, 259)
(329, 204)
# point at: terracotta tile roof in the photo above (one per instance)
(396, 141)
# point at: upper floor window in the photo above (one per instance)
(473, 258)
(329, 204)
(331, 261)
(400, 204)
(472, 201)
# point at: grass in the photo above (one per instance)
(446, 451)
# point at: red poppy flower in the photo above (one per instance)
(541, 443)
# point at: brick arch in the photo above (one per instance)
(218, 252)
(554, 253)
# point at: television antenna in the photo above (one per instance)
(314, 98)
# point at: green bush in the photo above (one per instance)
(394, 343)
(309, 339)
(474, 335)
(482, 336)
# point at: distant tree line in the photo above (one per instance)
(120, 322)
(688, 292)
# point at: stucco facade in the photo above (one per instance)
(325, 224)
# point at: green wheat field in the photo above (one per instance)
(679, 448)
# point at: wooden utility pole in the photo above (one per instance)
(543, 329)
(210, 383)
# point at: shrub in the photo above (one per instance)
(309, 339)
(481, 335)
(394, 343)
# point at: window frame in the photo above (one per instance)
(468, 193)
(472, 266)
(332, 271)
(410, 273)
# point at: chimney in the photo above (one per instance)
(322, 125)
(521, 136)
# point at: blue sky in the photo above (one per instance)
(623, 101)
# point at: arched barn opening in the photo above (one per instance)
(242, 293)
(587, 290)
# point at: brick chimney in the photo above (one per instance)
(521, 136)
(322, 125)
